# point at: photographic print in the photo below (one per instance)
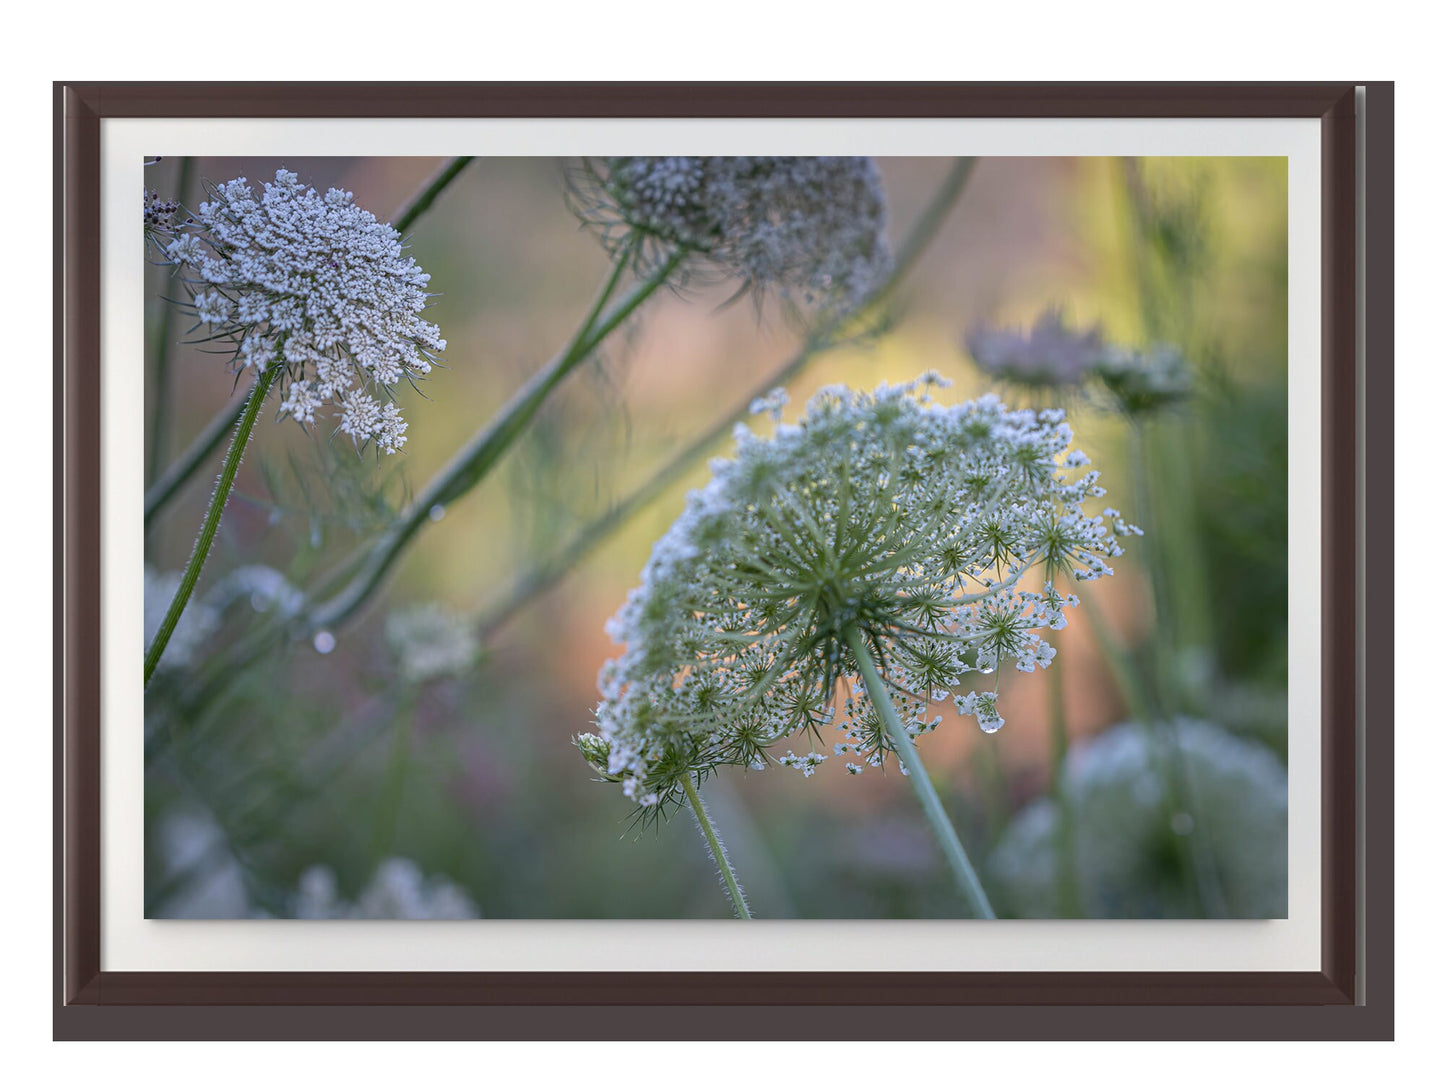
(642, 538)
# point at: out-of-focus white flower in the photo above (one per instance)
(210, 882)
(885, 513)
(812, 229)
(398, 889)
(431, 642)
(317, 285)
(198, 620)
(266, 589)
(1128, 838)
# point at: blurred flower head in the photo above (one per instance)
(431, 642)
(1145, 381)
(812, 229)
(885, 513)
(1129, 831)
(398, 889)
(1048, 356)
(316, 285)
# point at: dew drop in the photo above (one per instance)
(436, 513)
(324, 642)
(985, 669)
(990, 726)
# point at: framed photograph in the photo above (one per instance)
(913, 533)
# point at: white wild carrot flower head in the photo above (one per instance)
(812, 229)
(1050, 355)
(911, 522)
(432, 642)
(1130, 825)
(314, 284)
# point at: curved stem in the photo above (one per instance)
(719, 853)
(549, 570)
(469, 466)
(418, 205)
(212, 521)
(943, 829)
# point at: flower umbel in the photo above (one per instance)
(881, 517)
(316, 285)
(811, 228)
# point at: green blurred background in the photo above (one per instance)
(337, 760)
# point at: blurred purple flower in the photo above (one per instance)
(1050, 355)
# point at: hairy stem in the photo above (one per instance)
(943, 829)
(476, 460)
(719, 852)
(209, 525)
(206, 442)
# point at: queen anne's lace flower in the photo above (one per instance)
(811, 228)
(430, 642)
(1128, 838)
(317, 285)
(910, 522)
(1049, 356)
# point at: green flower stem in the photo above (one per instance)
(362, 571)
(388, 808)
(161, 351)
(542, 575)
(1127, 679)
(1203, 875)
(1160, 646)
(963, 871)
(206, 442)
(719, 853)
(475, 461)
(1070, 894)
(420, 203)
(209, 525)
(160, 490)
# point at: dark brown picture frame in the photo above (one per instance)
(1352, 996)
